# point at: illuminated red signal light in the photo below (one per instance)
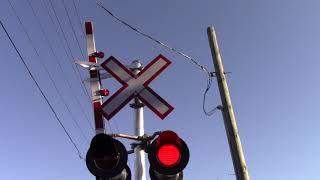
(169, 155)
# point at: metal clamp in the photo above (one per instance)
(144, 143)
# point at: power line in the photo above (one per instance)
(46, 69)
(60, 38)
(61, 69)
(108, 123)
(65, 50)
(60, 66)
(77, 13)
(42, 93)
(61, 29)
(72, 28)
(64, 37)
(193, 60)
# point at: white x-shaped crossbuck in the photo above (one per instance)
(136, 86)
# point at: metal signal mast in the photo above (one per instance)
(95, 77)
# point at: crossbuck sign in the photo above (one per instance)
(136, 86)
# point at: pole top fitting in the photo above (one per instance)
(210, 29)
(136, 105)
(136, 64)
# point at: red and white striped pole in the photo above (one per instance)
(95, 84)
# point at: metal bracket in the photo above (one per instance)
(213, 74)
(144, 143)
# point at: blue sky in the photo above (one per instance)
(271, 48)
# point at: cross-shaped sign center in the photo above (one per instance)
(136, 86)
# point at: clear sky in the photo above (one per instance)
(271, 47)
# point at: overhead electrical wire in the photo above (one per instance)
(45, 6)
(65, 50)
(72, 28)
(107, 123)
(63, 1)
(76, 70)
(61, 69)
(61, 29)
(79, 19)
(209, 74)
(45, 68)
(42, 93)
(64, 37)
(154, 39)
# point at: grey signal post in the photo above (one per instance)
(137, 105)
(239, 162)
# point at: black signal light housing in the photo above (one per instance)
(107, 157)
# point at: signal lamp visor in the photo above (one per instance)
(107, 162)
(106, 157)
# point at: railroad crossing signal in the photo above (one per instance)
(136, 86)
(107, 157)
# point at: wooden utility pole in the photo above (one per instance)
(239, 162)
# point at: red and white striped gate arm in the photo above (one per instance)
(95, 85)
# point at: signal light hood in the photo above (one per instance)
(106, 157)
